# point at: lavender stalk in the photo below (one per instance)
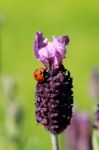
(55, 144)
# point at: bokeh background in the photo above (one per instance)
(19, 21)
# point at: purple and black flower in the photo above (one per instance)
(96, 122)
(79, 133)
(54, 100)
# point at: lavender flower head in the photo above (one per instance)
(54, 95)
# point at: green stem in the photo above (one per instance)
(55, 143)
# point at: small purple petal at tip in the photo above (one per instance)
(64, 39)
(39, 43)
(52, 53)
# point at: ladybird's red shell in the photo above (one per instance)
(38, 74)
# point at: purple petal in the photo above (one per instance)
(39, 43)
(52, 53)
(57, 59)
(64, 40)
(60, 43)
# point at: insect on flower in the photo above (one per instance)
(40, 74)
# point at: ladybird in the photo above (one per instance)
(40, 74)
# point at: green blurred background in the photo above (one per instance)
(21, 20)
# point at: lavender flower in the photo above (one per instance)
(96, 123)
(54, 95)
(79, 133)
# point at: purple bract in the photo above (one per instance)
(52, 53)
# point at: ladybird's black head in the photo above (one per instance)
(46, 74)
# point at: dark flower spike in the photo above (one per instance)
(54, 100)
